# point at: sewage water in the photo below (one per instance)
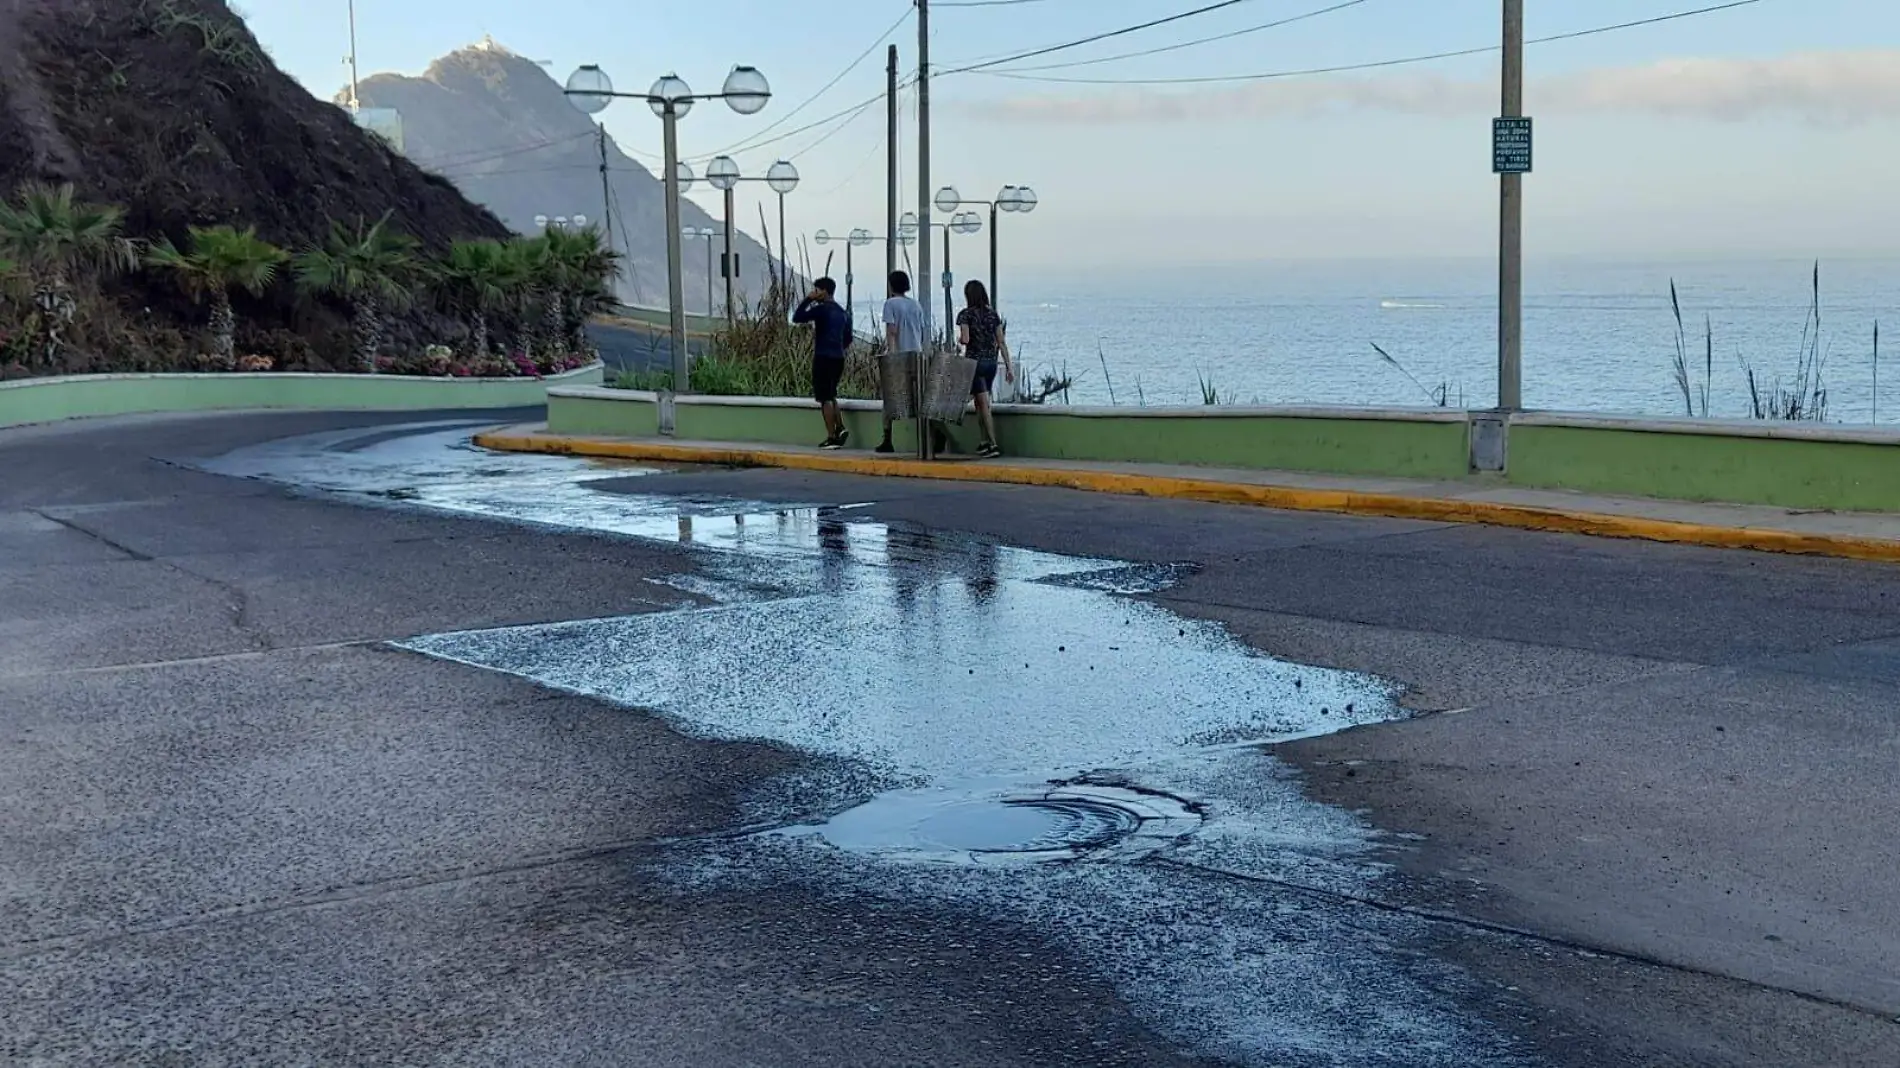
(998, 730)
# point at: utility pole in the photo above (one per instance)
(1511, 225)
(607, 208)
(890, 223)
(727, 265)
(356, 104)
(923, 218)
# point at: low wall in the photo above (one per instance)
(1421, 443)
(45, 400)
(1788, 465)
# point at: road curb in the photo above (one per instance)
(1291, 498)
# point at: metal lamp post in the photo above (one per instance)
(745, 91)
(723, 173)
(964, 222)
(857, 238)
(782, 177)
(1011, 198)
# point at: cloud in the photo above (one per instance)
(1823, 88)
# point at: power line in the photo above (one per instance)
(1374, 65)
(1274, 25)
(1138, 27)
(746, 143)
(985, 3)
(469, 158)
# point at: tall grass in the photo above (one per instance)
(1440, 397)
(1802, 397)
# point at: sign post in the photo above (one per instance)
(1511, 161)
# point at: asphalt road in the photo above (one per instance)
(628, 349)
(1642, 816)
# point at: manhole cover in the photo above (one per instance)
(1012, 824)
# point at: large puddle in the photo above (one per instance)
(1005, 731)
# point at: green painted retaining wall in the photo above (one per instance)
(45, 400)
(1785, 465)
(1426, 443)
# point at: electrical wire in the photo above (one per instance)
(1092, 38)
(1374, 65)
(742, 145)
(1230, 35)
(467, 158)
(984, 3)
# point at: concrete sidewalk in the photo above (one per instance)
(1852, 535)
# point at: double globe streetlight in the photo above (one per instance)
(963, 222)
(559, 222)
(782, 177)
(1017, 199)
(745, 91)
(857, 238)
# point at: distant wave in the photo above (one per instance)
(1406, 304)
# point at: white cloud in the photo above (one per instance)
(1823, 88)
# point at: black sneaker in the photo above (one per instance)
(987, 451)
(884, 447)
(832, 443)
(844, 437)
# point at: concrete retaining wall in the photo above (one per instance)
(1737, 461)
(45, 400)
(1421, 443)
(1789, 465)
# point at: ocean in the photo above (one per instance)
(1598, 336)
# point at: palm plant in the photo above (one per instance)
(578, 271)
(218, 260)
(374, 268)
(58, 243)
(481, 279)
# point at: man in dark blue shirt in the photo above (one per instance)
(831, 339)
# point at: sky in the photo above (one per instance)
(1764, 130)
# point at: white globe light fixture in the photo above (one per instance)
(723, 173)
(783, 177)
(822, 237)
(580, 220)
(683, 172)
(1025, 199)
(670, 90)
(948, 199)
(590, 90)
(1007, 199)
(967, 222)
(541, 222)
(861, 237)
(746, 90)
(907, 224)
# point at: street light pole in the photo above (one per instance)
(675, 273)
(745, 91)
(1012, 198)
(1511, 226)
(890, 144)
(726, 267)
(924, 443)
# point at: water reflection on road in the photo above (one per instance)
(968, 702)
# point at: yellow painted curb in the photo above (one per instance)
(1344, 502)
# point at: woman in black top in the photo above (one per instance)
(980, 332)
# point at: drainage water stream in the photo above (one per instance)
(999, 730)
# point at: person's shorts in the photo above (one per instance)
(826, 372)
(985, 381)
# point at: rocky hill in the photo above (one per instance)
(498, 126)
(171, 110)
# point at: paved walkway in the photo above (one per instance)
(1853, 535)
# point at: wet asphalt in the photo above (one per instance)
(355, 776)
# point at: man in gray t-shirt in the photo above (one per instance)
(903, 342)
